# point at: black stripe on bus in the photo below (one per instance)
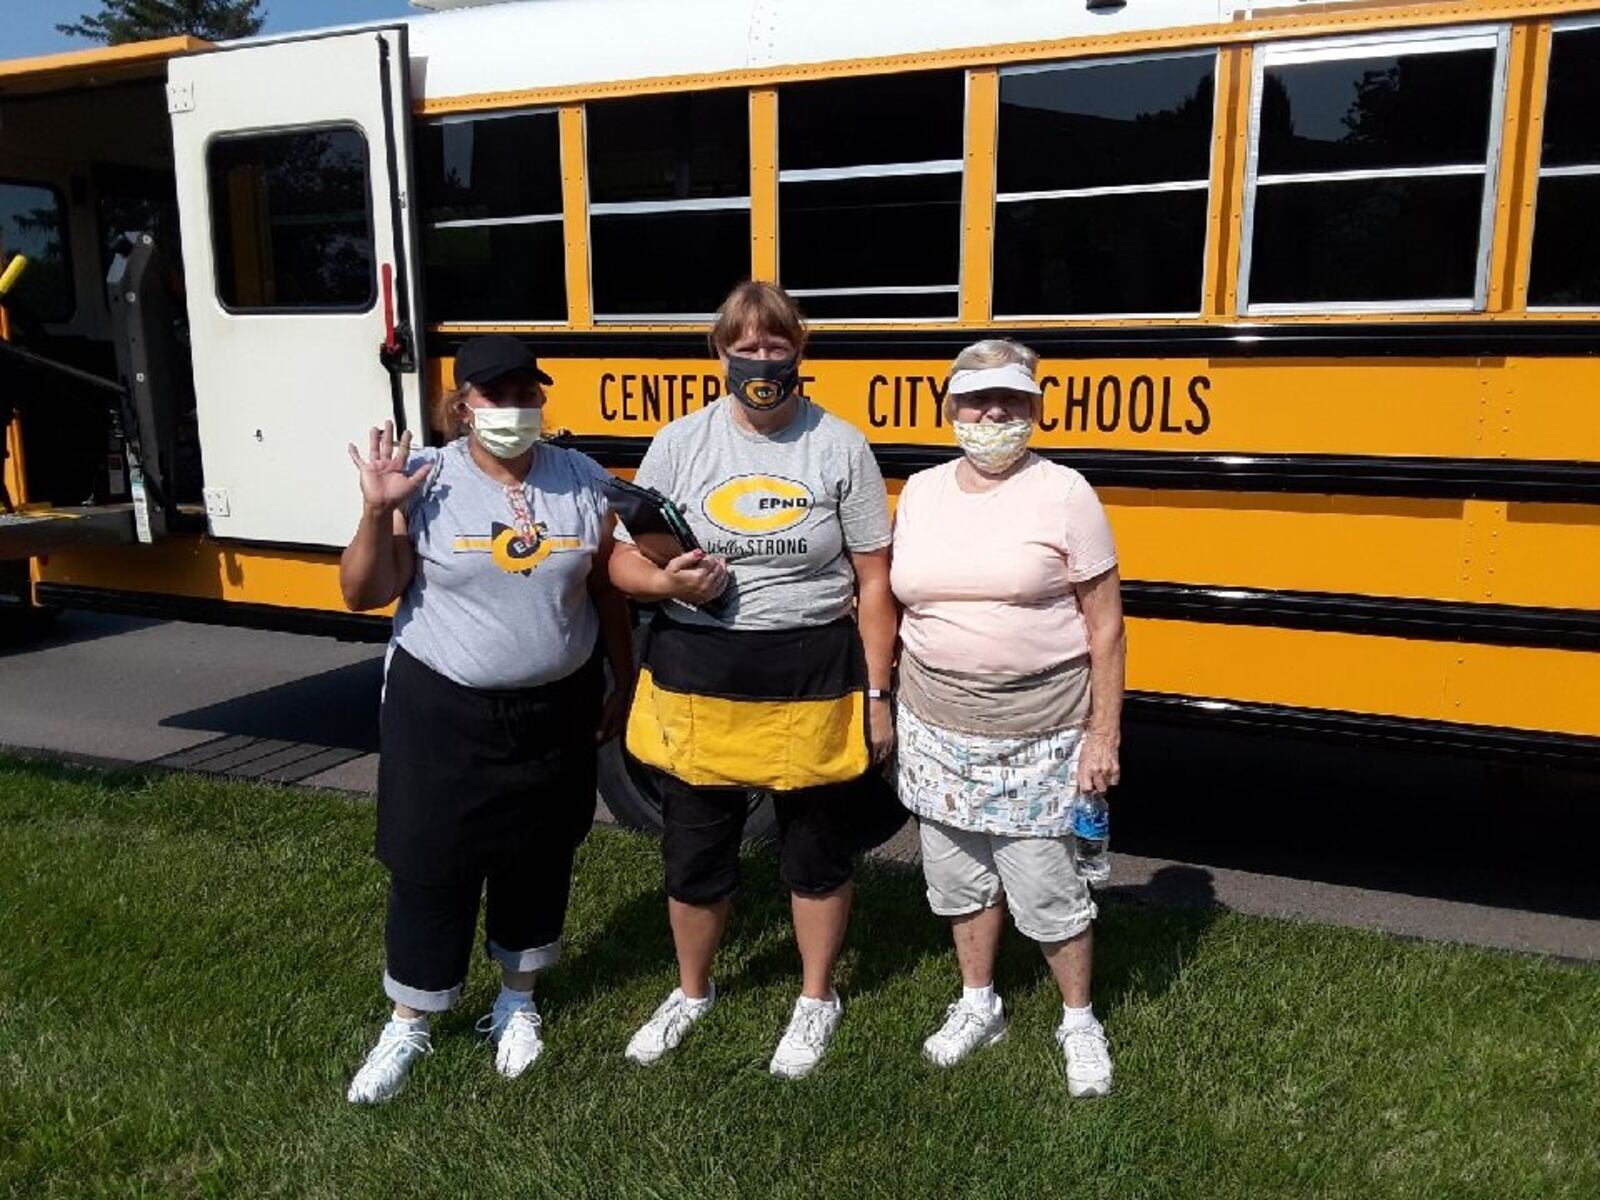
(1547, 480)
(349, 627)
(1569, 749)
(1456, 339)
(1383, 616)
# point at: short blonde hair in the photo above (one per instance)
(764, 307)
(993, 352)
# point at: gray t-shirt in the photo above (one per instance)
(489, 606)
(783, 510)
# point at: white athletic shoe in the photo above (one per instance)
(384, 1073)
(667, 1026)
(811, 1028)
(1088, 1060)
(515, 1035)
(966, 1028)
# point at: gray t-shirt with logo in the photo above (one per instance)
(785, 510)
(500, 595)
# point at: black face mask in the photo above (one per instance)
(763, 383)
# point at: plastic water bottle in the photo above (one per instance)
(1091, 835)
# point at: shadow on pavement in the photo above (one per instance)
(28, 631)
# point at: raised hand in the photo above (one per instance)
(385, 486)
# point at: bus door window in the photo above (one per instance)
(291, 221)
(493, 247)
(669, 203)
(1566, 250)
(33, 222)
(1102, 184)
(869, 195)
(1372, 170)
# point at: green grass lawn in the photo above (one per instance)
(190, 972)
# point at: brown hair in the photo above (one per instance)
(764, 307)
(443, 414)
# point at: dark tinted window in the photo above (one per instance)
(881, 119)
(496, 272)
(1392, 110)
(883, 306)
(1105, 125)
(290, 219)
(885, 231)
(1572, 103)
(33, 222)
(494, 167)
(1138, 253)
(1367, 240)
(1565, 272)
(692, 145)
(675, 263)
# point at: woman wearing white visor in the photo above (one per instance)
(1011, 680)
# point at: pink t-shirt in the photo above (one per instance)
(986, 578)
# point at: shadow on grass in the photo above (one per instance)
(1143, 938)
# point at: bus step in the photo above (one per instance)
(31, 531)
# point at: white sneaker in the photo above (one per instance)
(811, 1028)
(966, 1028)
(667, 1026)
(515, 1035)
(1088, 1060)
(384, 1073)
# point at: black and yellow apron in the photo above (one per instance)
(783, 709)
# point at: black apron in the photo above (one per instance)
(468, 778)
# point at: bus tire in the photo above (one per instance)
(630, 792)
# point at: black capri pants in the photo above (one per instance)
(818, 838)
(481, 793)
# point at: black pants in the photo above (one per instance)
(818, 838)
(430, 925)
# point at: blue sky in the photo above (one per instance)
(29, 26)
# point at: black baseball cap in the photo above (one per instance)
(484, 359)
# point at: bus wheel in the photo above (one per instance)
(629, 791)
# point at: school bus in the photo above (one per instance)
(1316, 286)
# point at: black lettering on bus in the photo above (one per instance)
(1197, 386)
(874, 418)
(913, 386)
(627, 397)
(1168, 425)
(1078, 404)
(650, 400)
(669, 385)
(607, 413)
(710, 388)
(1113, 385)
(1046, 421)
(940, 389)
(1142, 387)
(686, 393)
(805, 382)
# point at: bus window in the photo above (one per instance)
(491, 209)
(291, 221)
(1371, 175)
(1565, 272)
(669, 203)
(33, 222)
(869, 195)
(1102, 183)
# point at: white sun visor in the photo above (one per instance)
(1014, 377)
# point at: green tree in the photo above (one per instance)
(121, 21)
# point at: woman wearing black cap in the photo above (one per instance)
(496, 547)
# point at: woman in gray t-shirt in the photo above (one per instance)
(786, 690)
(495, 546)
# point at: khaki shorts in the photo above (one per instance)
(1037, 877)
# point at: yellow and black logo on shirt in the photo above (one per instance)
(749, 504)
(514, 553)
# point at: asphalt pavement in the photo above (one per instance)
(1416, 845)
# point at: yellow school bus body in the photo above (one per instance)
(1379, 523)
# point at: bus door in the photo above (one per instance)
(294, 190)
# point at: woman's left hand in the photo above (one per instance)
(1098, 767)
(614, 713)
(880, 729)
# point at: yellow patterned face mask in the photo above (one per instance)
(993, 446)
